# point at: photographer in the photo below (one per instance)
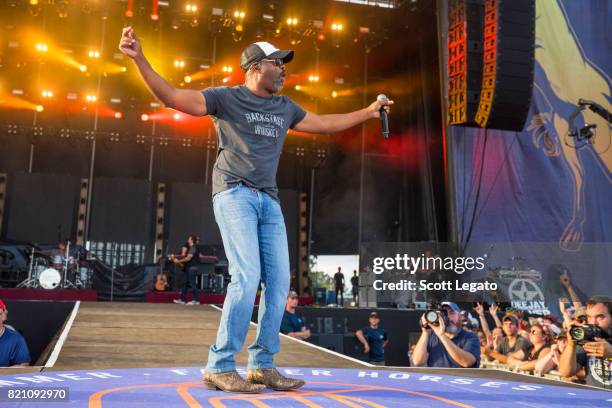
(594, 352)
(449, 345)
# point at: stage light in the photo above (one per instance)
(129, 12)
(292, 21)
(337, 27)
(144, 117)
(176, 116)
(155, 10)
(33, 2)
(123, 69)
(71, 96)
(179, 64)
(225, 80)
(93, 54)
(42, 47)
(115, 100)
(91, 98)
(83, 68)
(364, 30)
(239, 28)
(239, 14)
(17, 91)
(118, 115)
(191, 8)
(187, 79)
(313, 78)
(298, 87)
(40, 108)
(227, 69)
(47, 94)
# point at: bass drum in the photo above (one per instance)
(49, 278)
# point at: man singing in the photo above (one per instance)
(251, 121)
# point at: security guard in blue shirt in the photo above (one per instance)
(292, 324)
(374, 340)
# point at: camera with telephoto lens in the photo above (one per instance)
(588, 332)
(432, 317)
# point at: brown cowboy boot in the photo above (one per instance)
(271, 378)
(230, 381)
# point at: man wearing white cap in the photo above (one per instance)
(251, 123)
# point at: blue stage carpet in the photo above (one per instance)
(326, 388)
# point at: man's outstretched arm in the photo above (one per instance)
(185, 100)
(313, 123)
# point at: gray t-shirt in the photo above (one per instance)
(251, 131)
(598, 370)
(521, 343)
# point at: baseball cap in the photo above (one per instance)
(263, 50)
(511, 318)
(2, 305)
(373, 314)
(292, 294)
(451, 305)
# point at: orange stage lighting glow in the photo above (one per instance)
(9, 101)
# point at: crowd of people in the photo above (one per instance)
(576, 347)
(539, 345)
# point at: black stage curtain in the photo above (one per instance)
(403, 183)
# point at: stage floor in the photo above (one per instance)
(144, 355)
(325, 388)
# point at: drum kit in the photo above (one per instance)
(60, 270)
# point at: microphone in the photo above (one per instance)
(597, 108)
(383, 115)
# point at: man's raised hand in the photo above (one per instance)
(129, 43)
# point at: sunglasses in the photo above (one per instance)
(276, 61)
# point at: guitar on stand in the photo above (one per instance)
(161, 279)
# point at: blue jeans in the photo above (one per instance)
(255, 240)
(190, 276)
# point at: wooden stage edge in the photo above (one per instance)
(106, 335)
